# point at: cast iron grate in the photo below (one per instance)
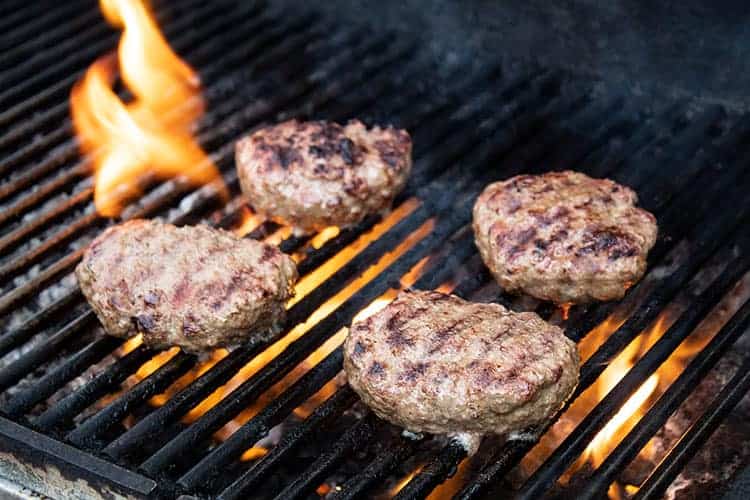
(470, 125)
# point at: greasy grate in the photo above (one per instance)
(470, 126)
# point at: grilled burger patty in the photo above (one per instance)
(436, 363)
(195, 287)
(316, 174)
(563, 236)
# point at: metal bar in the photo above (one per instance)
(15, 238)
(358, 486)
(673, 397)
(442, 465)
(62, 413)
(331, 408)
(14, 372)
(18, 336)
(44, 452)
(698, 434)
(357, 434)
(51, 46)
(199, 477)
(17, 266)
(52, 381)
(86, 435)
(23, 30)
(152, 424)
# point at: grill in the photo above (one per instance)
(77, 404)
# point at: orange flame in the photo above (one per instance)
(151, 135)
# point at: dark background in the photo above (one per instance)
(699, 48)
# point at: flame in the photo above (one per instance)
(600, 444)
(404, 481)
(250, 221)
(151, 135)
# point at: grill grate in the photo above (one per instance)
(67, 390)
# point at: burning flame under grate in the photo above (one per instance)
(274, 420)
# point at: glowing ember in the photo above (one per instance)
(151, 135)
(253, 454)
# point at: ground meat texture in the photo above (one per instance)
(194, 287)
(563, 236)
(431, 362)
(311, 175)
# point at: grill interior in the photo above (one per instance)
(71, 397)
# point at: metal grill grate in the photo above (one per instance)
(67, 399)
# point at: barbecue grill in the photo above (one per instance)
(86, 414)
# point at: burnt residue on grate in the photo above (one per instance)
(283, 422)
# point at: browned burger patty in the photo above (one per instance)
(563, 236)
(316, 174)
(435, 363)
(195, 287)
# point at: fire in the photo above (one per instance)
(151, 135)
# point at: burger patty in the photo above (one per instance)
(311, 175)
(563, 236)
(195, 287)
(431, 362)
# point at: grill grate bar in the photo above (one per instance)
(697, 435)
(62, 35)
(86, 435)
(16, 337)
(47, 49)
(16, 30)
(343, 398)
(12, 240)
(259, 426)
(384, 463)
(441, 466)
(53, 380)
(667, 403)
(62, 414)
(605, 160)
(32, 359)
(356, 435)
